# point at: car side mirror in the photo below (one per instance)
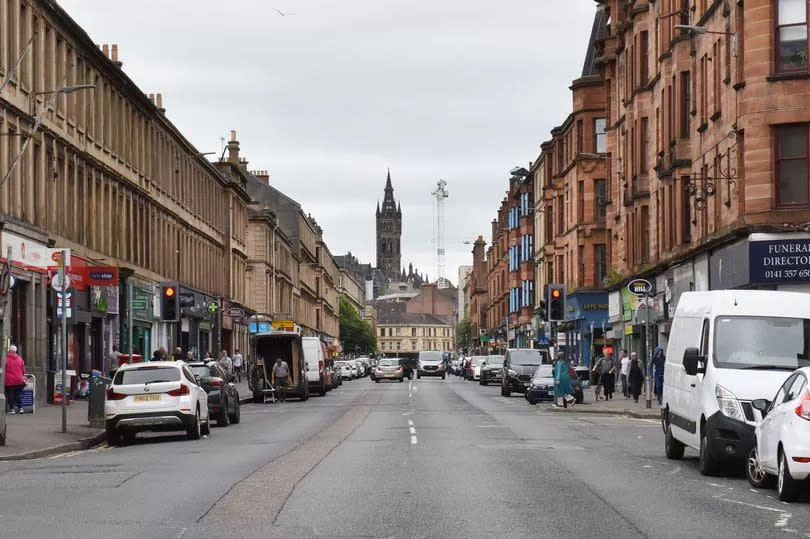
(505, 364)
(197, 378)
(762, 405)
(691, 361)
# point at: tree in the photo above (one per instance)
(355, 333)
(464, 334)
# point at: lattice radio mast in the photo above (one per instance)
(440, 194)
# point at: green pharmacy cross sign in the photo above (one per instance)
(213, 307)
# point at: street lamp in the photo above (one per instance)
(700, 30)
(39, 119)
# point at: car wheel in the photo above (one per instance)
(237, 414)
(128, 436)
(532, 401)
(222, 419)
(323, 390)
(672, 447)
(113, 437)
(483, 383)
(418, 376)
(787, 488)
(706, 462)
(401, 380)
(580, 397)
(205, 428)
(506, 392)
(443, 376)
(754, 472)
(193, 430)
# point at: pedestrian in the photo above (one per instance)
(596, 378)
(156, 355)
(280, 375)
(659, 360)
(115, 360)
(237, 365)
(562, 382)
(15, 380)
(226, 363)
(189, 356)
(624, 366)
(178, 354)
(635, 376)
(608, 374)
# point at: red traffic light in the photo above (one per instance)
(555, 293)
(169, 291)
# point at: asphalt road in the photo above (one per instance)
(429, 458)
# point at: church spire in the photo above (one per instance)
(388, 186)
(389, 205)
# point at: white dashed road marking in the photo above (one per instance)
(413, 440)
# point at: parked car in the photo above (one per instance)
(315, 362)
(519, 366)
(345, 369)
(389, 369)
(431, 363)
(155, 396)
(542, 385)
(492, 370)
(781, 452)
(726, 349)
(474, 369)
(223, 396)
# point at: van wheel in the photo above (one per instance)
(786, 487)
(672, 447)
(706, 463)
(754, 472)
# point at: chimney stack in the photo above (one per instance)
(152, 98)
(114, 55)
(106, 50)
(233, 149)
(243, 163)
(262, 175)
(159, 102)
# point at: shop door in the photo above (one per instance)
(141, 342)
(205, 340)
(96, 342)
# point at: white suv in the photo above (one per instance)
(155, 396)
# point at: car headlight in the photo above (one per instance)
(728, 403)
(512, 373)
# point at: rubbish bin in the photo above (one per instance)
(95, 408)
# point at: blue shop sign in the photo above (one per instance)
(779, 261)
(260, 327)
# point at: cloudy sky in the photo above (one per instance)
(329, 96)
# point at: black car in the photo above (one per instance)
(223, 397)
(518, 367)
(492, 371)
(542, 385)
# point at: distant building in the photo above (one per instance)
(389, 234)
(464, 273)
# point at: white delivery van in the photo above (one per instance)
(727, 348)
(315, 360)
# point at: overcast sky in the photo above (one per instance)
(329, 96)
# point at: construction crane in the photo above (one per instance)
(440, 194)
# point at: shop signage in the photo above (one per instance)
(101, 275)
(640, 287)
(259, 327)
(284, 325)
(141, 304)
(30, 253)
(186, 300)
(595, 306)
(236, 313)
(779, 261)
(213, 307)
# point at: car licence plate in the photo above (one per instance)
(551, 393)
(390, 375)
(143, 398)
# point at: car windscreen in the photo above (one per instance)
(147, 375)
(431, 356)
(476, 361)
(544, 371)
(743, 342)
(389, 363)
(524, 357)
(201, 370)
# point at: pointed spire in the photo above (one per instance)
(388, 181)
(389, 204)
(399, 208)
(378, 207)
(410, 268)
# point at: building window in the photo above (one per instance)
(413, 345)
(644, 151)
(399, 332)
(644, 60)
(792, 165)
(580, 136)
(599, 187)
(791, 35)
(413, 332)
(686, 102)
(399, 346)
(581, 256)
(600, 263)
(600, 139)
(581, 201)
(645, 234)
(560, 215)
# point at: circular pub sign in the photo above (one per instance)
(640, 287)
(236, 313)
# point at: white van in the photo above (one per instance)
(315, 364)
(727, 348)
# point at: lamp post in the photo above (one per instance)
(700, 30)
(52, 95)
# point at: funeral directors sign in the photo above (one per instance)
(779, 261)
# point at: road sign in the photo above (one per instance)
(640, 287)
(60, 282)
(236, 313)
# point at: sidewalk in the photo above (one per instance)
(40, 434)
(616, 406)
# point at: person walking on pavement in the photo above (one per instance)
(115, 361)
(596, 376)
(226, 363)
(189, 356)
(562, 382)
(15, 380)
(635, 376)
(280, 375)
(237, 365)
(178, 354)
(607, 370)
(624, 366)
(658, 372)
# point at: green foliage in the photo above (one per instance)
(612, 278)
(464, 333)
(355, 333)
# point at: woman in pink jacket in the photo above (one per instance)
(15, 381)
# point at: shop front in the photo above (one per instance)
(198, 314)
(584, 328)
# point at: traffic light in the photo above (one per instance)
(169, 303)
(556, 302)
